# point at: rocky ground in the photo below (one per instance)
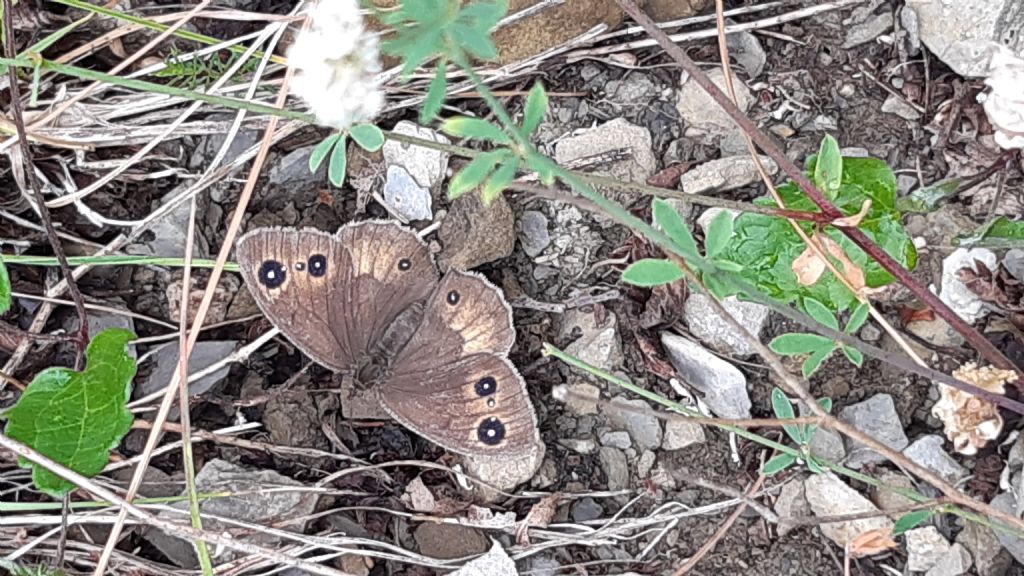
(636, 494)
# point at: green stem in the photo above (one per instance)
(113, 260)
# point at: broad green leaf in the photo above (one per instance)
(828, 169)
(466, 127)
(719, 233)
(784, 411)
(727, 266)
(5, 288)
(857, 319)
(821, 313)
(911, 520)
(500, 180)
(339, 163)
(815, 360)
(778, 464)
(77, 418)
(999, 233)
(435, 94)
(536, 108)
(320, 152)
(666, 217)
(927, 199)
(793, 344)
(368, 136)
(474, 173)
(475, 41)
(855, 356)
(651, 272)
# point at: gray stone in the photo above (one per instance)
(582, 398)
(791, 503)
(613, 463)
(205, 354)
(169, 233)
(830, 496)
(747, 50)
(645, 463)
(929, 451)
(579, 445)
(954, 562)
(501, 472)
(724, 387)
(955, 293)
(616, 439)
(586, 509)
(711, 328)
(543, 565)
(705, 218)
(828, 445)
(924, 548)
(905, 183)
(1014, 263)
(868, 30)
(875, 416)
(444, 541)
(405, 197)
(990, 558)
(635, 417)
(473, 234)
(100, 321)
(899, 107)
(533, 232)
(935, 331)
(890, 500)
(292, 169)
(680, 433)
(724, 174)
(597, 345)
(870, 333)
(546, 475)
(697, 109)
(614, 135)
(426, 166)
(496, 562)
(855, 152)
(632, 90)
(965, 33)
(253, 504)
(1005, 502)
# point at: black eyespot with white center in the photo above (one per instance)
(272, 273)
(486, 386)
(317, 265)
(453, 297)
(404, 264)
(491, 402)
(491, 431)
(300, 266)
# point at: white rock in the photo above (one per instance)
(616, 439)
(680, 433)
(1006, 502)
(710, 328)
(964, 33)
(614, 135)
(406, 197)
(863, 32)
(724, 174)
(724, 387)
(925, 546)
(645, 463)
(900, 107)
(929, 451)
(596, 345)
(705, 218)
(494, 563)
(636, 417)
(419, 169)
(954, 562)
(697, 109)
(830, 496)
(955, 293)
(533, 232)
(502, 473)
(1014, 262)
(876, 416)
(791, 503)
(582, 398)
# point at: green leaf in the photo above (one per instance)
(911, 520)
(828, 168)
(666, 217)
(793, 344)
(821, 313)
(77, 418)
(784, 411)
(368, 136)
(474, 173)
(999, 233)
(855, 356)
(857, 319)
(5, 288)
(825, 403)
(435, 94)
(815, 360)
(727, 266)
(719, 234)
(536, 108)
(339, 163)
(543, 166)
(814, 466)
(927, 199)
(500, 180)
(778, 464)
(650, 272)
(475, 41)
(466, 127)
(319, 154)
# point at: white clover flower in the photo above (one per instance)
(336, 65)
(1004, 103)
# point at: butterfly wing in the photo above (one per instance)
(453, 383)
(333, 295)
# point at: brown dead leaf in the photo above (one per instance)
(854, 220)
(669, 177)
(871, 542)
(997, 287)
(540, 515)
(809, 268)
(654, 360)
(908, 315)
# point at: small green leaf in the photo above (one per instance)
(784, 411)
(536, 108)
(825, 403)
(828, 169)
(435, 94)
(815, 360)
(500, 180)
(368, 136)
(719, 234)
(999, 233)
(5, 288)
(778, 464)
(793, 344)
(339, 163)
(466, 127)
(821, 313)
(858, 317)
(474, 173)
(475, 41)
(319, 154)
(911, 520)
(543, 166)
(666, 217)
(928, 198)
(814, 466)
(650, 272)
(855, 356)
(77, 418)
(727, 266)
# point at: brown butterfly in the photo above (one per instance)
(368, 302)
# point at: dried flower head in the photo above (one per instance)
(1004, 103)
(336, 63)
(970, 422)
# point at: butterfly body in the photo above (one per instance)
(368, 302)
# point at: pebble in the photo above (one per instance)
(724, 174)
(905, 183)
(546, 475)
(713, 331)
(1005, 502)
(956, 561)
(496, 562)
(855, 152)
(900, 107)
(632, 90)
(747, 50)
(616, 439)
(473, 234)
(169, 233)
(782, 130)
(868, 30)
(292, 170)
(617, 134)
(680, 433)
(697, 109)
(925, 546)
(724, 387)
(1014, 263)
(929, 451)
(791, 503)
(586, 509)
(533, 232)
(645, 463)
(613, 463)
(990, 558)
(205, 354)
(636, 418)
(406, 197)
(870, 333)
(876, 416)
(935, 331)
(426, 166)
(955, 293)
(579, 445)
(830, 496)
(889, 500)
(445, 541)
(596, 345)
(964, 33)
(582, 398)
